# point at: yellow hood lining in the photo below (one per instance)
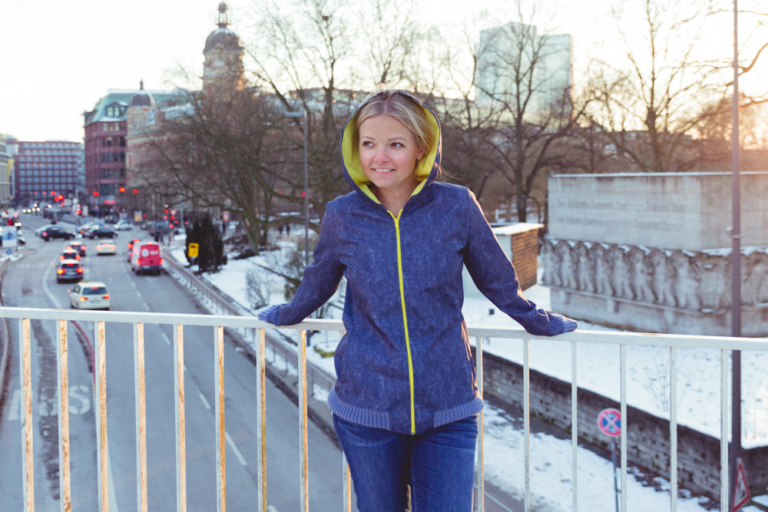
(351, 157)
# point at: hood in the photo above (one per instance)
(426, 168)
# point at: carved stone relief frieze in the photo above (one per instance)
(698, 281)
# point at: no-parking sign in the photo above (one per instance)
(609, 421)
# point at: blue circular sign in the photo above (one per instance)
(609, 421)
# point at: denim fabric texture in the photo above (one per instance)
(441, 229)
(438, 465)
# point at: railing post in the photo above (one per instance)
(62, 364)
(261, 421)
(624, 427)
(673, 428)
(724, 484)
(302, 389)
(101, 416)
(480, 474)
(574, 428)
(346, 495)
(181, 450)
(221, 447)
(527, 424)
(141, 417)
(27, 432)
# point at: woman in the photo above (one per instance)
(405, 401)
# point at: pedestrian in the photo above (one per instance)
(287, 230)
(405, 402)
(280, 229)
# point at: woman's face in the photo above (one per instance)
(388, 153)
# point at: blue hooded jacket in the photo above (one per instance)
(404, 363)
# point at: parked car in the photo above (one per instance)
(146, 258)
(124, 225)
(159, 227)
(80, 248)
(89, 295)
(69, 270)
(106, 248)
(102, 232)
(53, 232)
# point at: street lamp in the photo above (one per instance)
(303, 115)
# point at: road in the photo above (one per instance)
(31, 282)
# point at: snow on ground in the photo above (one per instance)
(551, 485)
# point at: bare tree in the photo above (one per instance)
(525, 76)
(223, 151)
(649, 105)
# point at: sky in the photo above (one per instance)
(59, 57)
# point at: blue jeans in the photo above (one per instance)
(438, 464)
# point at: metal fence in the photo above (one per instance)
(219, 323)
(215, 301)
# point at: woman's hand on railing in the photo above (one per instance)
(569, 325)
(269, 314)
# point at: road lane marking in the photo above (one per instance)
(271, 508)
(15, 405)
(166, 339)
(145, 305)
(205, 402)
(232, 445)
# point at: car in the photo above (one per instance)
(53, 232)
(130, 248)
(106, 248)
(146, 258)
(159, 227)
(39, 232)
(84, 228)
(69, 270)
(124, 225)
(89, 295)
(102, 232)
(80, 248)
(69, 254)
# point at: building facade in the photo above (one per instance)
(514, 61)
(44, 170)
(106, 128)
(6, 168)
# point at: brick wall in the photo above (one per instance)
(648, 443)
(525, 250)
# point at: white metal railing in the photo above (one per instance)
(218, 304)
(218, 323)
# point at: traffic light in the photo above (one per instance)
(135, 191)
(122, 189)
(95, 194)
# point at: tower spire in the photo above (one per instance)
(223, 17)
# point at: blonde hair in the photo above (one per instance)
(406, 109)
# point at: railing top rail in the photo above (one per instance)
(625, 338)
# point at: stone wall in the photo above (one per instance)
(655, 289)
(688, 211)
(648, 444)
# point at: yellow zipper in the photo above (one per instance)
(405, 318)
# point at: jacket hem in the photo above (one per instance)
(458, 413)
(365, 417)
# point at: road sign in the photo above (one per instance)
(609, 421)
(741, 495)
(9, 237)
(193, 250)
(9, 251)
